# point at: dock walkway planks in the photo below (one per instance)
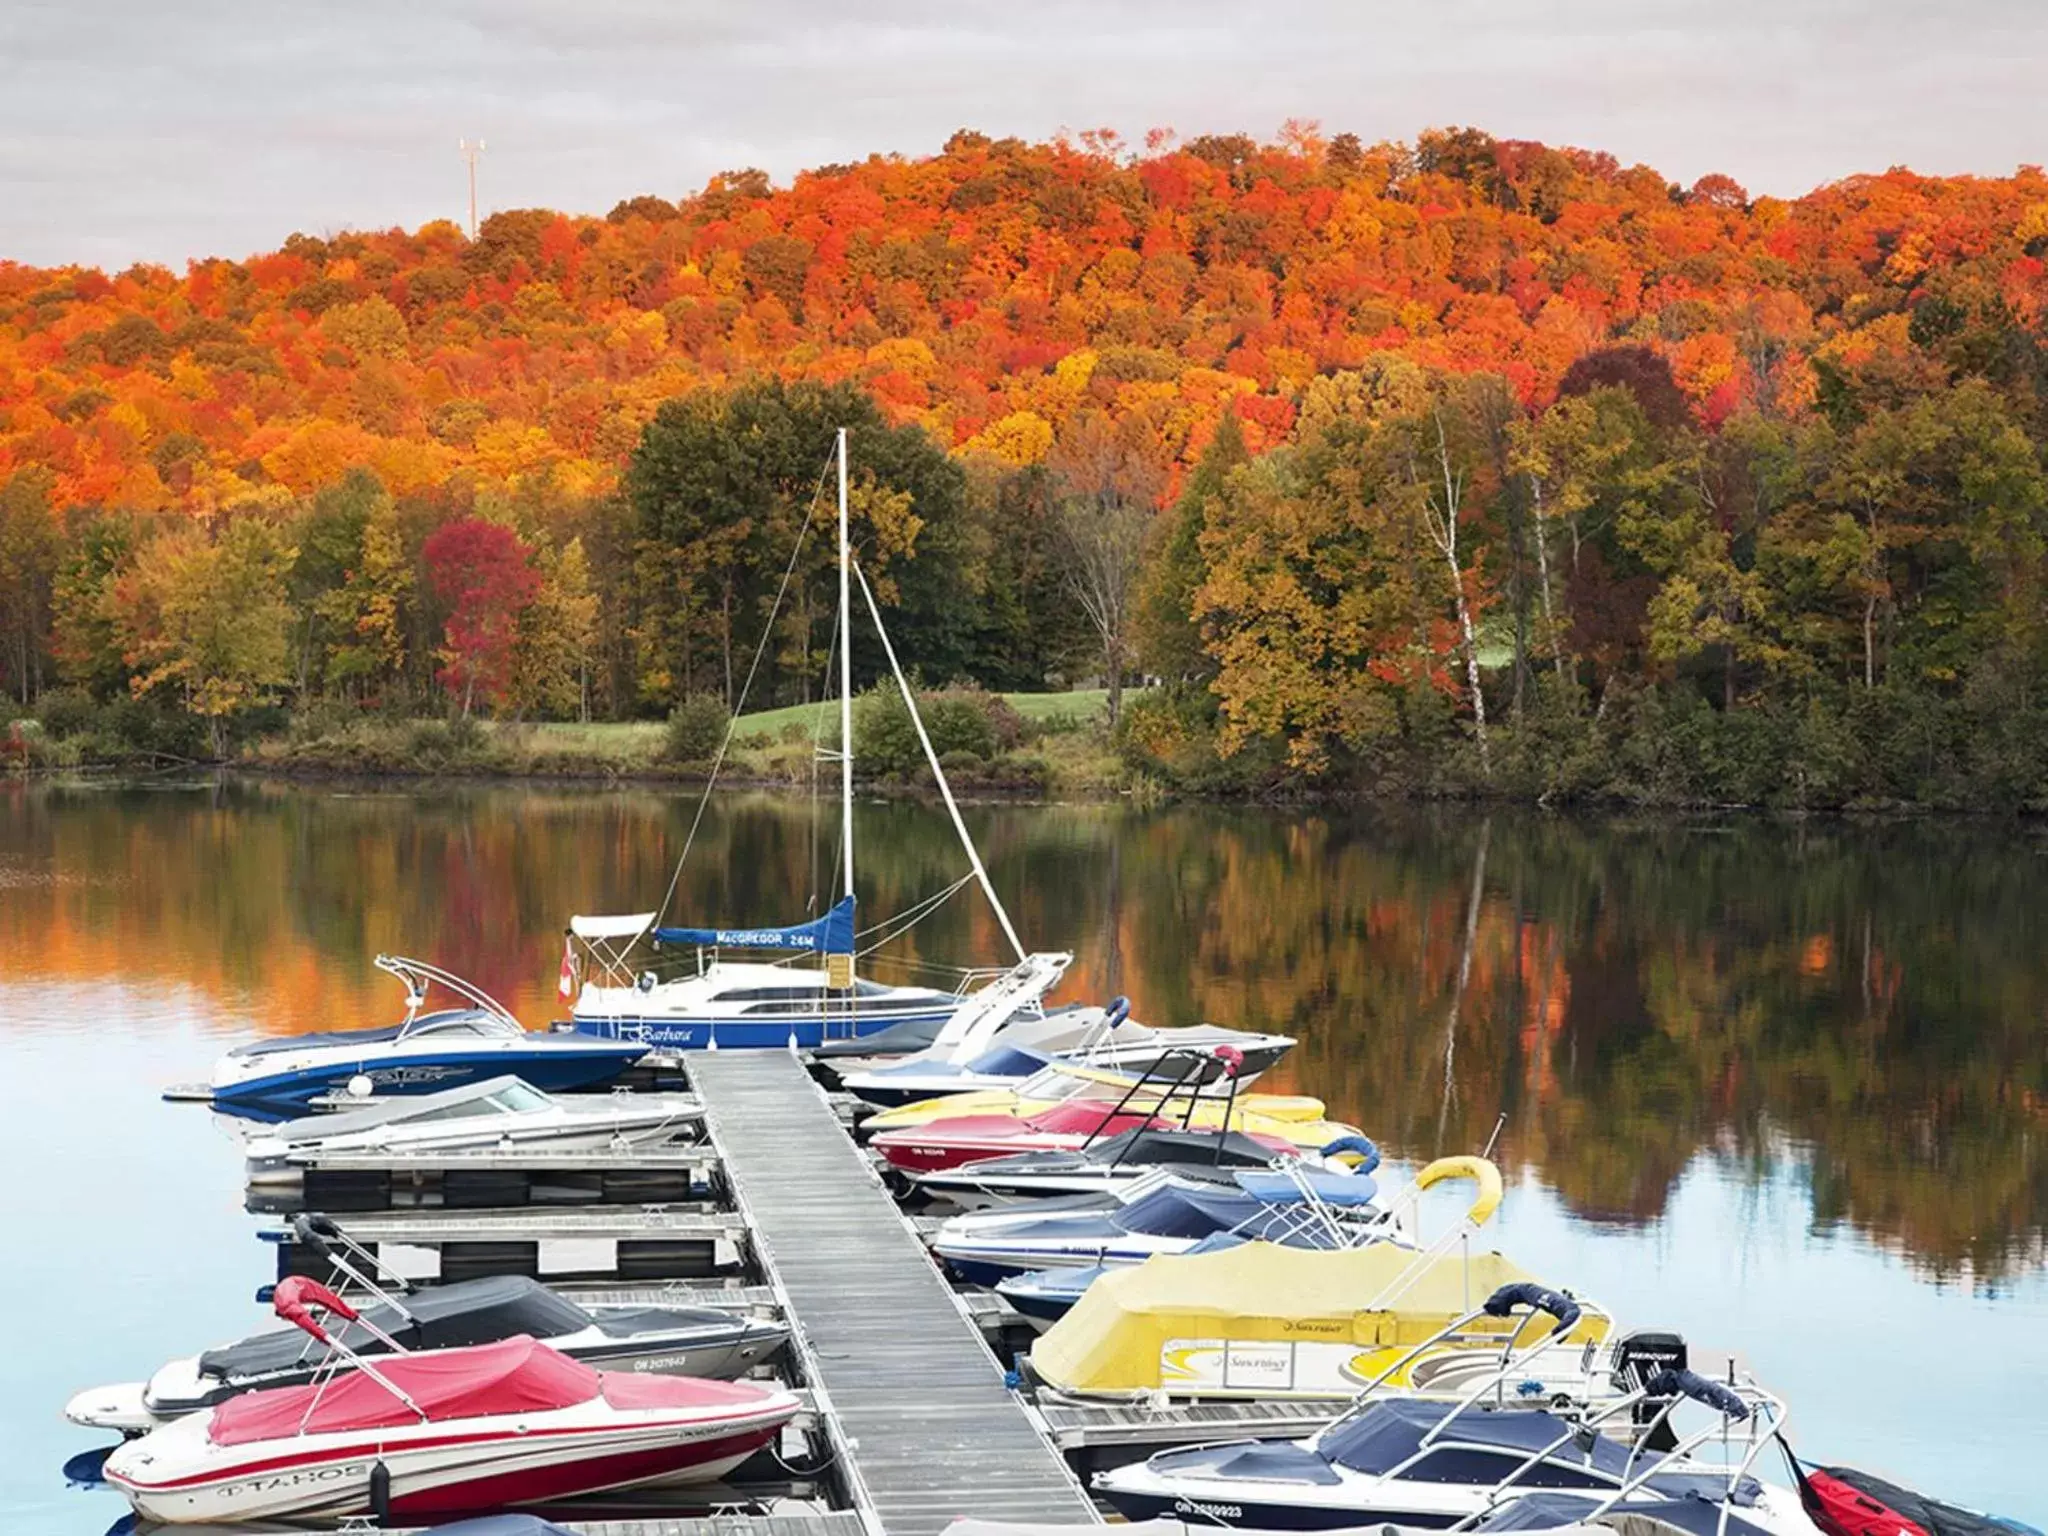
(921, 1417)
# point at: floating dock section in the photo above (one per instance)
(922, 1426)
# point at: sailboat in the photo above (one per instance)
(811, 995)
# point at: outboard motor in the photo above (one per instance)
(1639, 1358)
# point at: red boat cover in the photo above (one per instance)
(515, 1375)
(624, 1389)
(1086, 1118)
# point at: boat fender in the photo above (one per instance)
(1118, 1010)
(1368, 1154)
(380, 1492)
(1538, 1298)
(1684, 1383)
(646, 981)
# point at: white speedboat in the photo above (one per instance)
(506, 1113)
(1106, 1038)
(280, 1078)
(437, 1435)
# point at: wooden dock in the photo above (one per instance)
(921, 1423)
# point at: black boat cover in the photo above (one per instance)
(1148, 1147)
(466, 1312)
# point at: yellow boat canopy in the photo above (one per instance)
(1262, 1319)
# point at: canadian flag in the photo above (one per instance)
(566, 986)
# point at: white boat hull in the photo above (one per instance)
(177, 1476)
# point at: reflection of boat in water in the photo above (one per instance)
(672, 1340)
(504, 1113)
(1412, 1460)
(453, 1431)
(719, 1002)
(279, 1078)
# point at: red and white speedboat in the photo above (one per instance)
(441, 1433)
(961, 1139)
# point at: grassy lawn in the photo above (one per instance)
(1084, 705)
(1074, 758)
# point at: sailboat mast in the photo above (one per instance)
(845, 676)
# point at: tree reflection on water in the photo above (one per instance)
(1866, 999)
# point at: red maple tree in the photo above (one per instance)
(485, 574)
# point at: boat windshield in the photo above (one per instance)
(1058, 1084)
(521, 1099)
(462, 1021)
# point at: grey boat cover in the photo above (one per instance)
(501, 1525)
(466, 1312)
(347, 1122)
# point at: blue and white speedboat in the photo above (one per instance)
(282, 1077)
(632, 986)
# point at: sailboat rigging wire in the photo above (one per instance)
(932, 757)
(903, 922)
(732, 725)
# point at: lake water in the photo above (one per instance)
(1781, 1086)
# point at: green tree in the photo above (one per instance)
(1169, 641)
(206, 617)
(329, 539)
(29, 555)
(83, 634)
(720, 486)
(365, 612)
(1322, 597)
(551, 659)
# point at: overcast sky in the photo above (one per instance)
(178, 128)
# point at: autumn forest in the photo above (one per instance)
(1467, 466)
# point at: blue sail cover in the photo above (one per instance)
(831, 934)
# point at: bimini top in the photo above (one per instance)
(831, 934)
(1114, 1338)
(516, 1375)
